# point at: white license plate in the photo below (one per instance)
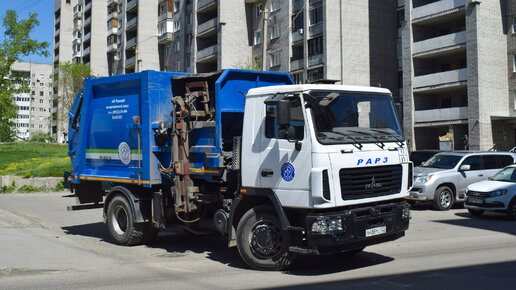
(475, 200)
(375, 231)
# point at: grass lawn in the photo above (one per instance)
(34, 159)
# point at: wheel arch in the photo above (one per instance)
(451, 186)
(130, 197)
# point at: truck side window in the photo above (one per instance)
(297, 120)
(474, 162)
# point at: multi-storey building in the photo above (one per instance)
(455, 77)
(35, 105)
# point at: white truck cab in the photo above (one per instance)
(332, 159)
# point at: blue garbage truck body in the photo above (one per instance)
(278, 168)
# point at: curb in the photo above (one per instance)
(38, 182)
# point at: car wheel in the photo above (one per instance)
(475, 212)
(443, 199)
(511, 209)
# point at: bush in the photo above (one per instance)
(41, 137)
(59, 186)
(29, 188)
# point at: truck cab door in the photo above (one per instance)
(286, 160)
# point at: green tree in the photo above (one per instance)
(71, 81)
(251, 64)
(15, 45)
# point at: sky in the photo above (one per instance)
(43, 32)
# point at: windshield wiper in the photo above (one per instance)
(378, 142)
(357, 144)
(399, 142)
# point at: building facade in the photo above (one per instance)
(34, 106)
(456, 75)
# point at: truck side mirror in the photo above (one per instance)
(283, 113)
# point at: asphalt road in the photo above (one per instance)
(43, 246)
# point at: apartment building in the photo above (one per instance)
(35, 105)
(455, 73)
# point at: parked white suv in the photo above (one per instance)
(497, 194)
(444, 178)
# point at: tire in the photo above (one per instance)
(511, 210)
(443, 199)
(475, 212)
(261, 242)
(120, 219)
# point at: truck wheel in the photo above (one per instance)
(511, 210)
(475, 212)
(443, 199)
(261, 242)
(121, 224)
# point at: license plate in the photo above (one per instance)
(475, 200)
(376, 231)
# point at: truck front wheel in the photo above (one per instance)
(261, 242)
(120, 220)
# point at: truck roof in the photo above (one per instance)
(321, 87)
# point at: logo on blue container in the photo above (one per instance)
(124, 152)
(287, 172)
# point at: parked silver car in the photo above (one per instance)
(444, 178)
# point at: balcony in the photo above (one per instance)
(112, 47)
(297, 35)
(129, 63)
(207, 27)
(131, 43)
(205, 4)
(296, 64)
(112, 31)
(131, 24)
(88, 6)
(87, 36)
(207, 54)
(437, 9)
(77, 25)
(315, 60)
(87, 21)
(441, 115)
(442, 44)
(110, 2)
(57, 44)
(86, 51)
(165, 16)
(57, 32)
(76, 40)
(165, 37)
(112, 15)
(316, 29)
(58, 19)
(440, 80)
(56, 58)
(297, 5)
(131, 5)
(77, 54)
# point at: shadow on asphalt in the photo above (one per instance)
(486, 276)
(427, 205)
(488, 221)
(177, 242)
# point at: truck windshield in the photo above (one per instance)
(353, 118)
(442, 161)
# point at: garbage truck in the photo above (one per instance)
(279, 169)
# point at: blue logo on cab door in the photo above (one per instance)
(287, 172)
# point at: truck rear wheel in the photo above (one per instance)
(120, 220)
(261, 242)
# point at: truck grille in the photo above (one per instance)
(368, 182)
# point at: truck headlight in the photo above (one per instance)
(498, 192)
(423, 178)
(324, 226)
(405, 213)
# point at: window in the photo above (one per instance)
(298, 22)
(514, 93)
(176, 6)
(41, 94)
(41, 76)
(177, 46)
(41, 101)
(274, 5)
(258, 10)
(177, 26)
(32, 126)
(274, 31)
(33, 84)
(257, 37)
(474, 162)
(33, 76)
(177, 66)
(316, 15)
(40, 126)
(167, 51)
(490, 162)
(41, 118)
(513, 24)
(315, 46)
(32, 118)
(297, 77)
(189, 18)
(189, 40)
(401, 18)
(275, 59)
(505, 160)
(513, 63)
(41, 109)
(315, 74)
(41, 85)
(297, 121)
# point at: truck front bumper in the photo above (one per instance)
(355, 228)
